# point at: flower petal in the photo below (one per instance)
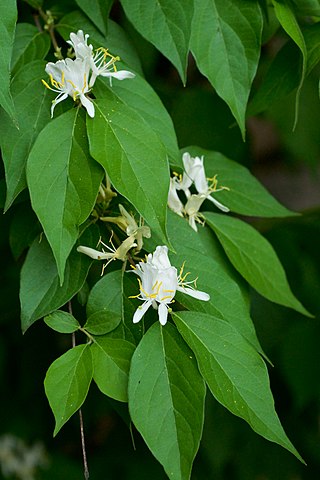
(58, 99)
(194, 293)
(95, 254)
(120, 75)
(218, 204)
(141, 310)
(88, 105)
(163, 313)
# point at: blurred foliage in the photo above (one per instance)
(229, 449)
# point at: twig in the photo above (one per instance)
(83, 443)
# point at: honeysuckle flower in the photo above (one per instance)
(174, 201)
(158, 282)
(195, 173)
(192, 210)
(101, 62)
(128, 224)
(69, 78)
(119, 253)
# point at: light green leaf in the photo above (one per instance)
(225, 42)
(116, 40)
(288, 21)
(108, 295)
(246, 195)
(63, 181)
(29, 45)
(133, 157)
(8, 18)
(235, 373)
(138, 95)
(166, 24)
(40, 291)
(166, 399)
(253, 256)
(111, 363)
(32, 102)
(227, 299)
(62, 322)
(67, 383)
(97, 11)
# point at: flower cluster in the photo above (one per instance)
(159, 281)
(75, 78)
(194, 174)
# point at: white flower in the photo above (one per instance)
(119, 253)
(69, 78)
(158, 282)
(194, 172)
(174, 201)
(101, 63)
(192, 210)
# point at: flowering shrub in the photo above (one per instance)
(106, 181)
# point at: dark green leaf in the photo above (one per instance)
(290, 24)
(226, 45)
(8, 18)
(133, 157)
(40, 291)
(111, 363)
(235, 373)
(29, 45)
(67, 383)
(32, 102)
(102, 322)
(97, 11)
(23, 229)
(62, 322)
(166, 399)
(138, 95)
(253, 256)
(63, 181)
(246, 195)
(166, 24)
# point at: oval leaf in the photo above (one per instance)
(111, 363)
(63, 181)
(62, 322)
(133, 157)
(166, 24)
(102, 322)
(225, 42)
(29, 45)
(166, 399)
(235, 373)
(253, 256)
(67, 383)
(40, 290)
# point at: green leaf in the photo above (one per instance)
(63, 181)
(40, 290)
(116, 40)
(235, 373)
(227, 299)
(62, 322)
(97, 11)
(225, 42)
(24, 228)
(67, 383)
(283, 75)
(111, 363)
(253, 256)
(32, 102)
(288, 21)
(246, 195)
(138, 95)
(29, 45)
(166, 24)
(133, 157)
(108, 299)
(8, 18)
(166, 399)
(307, 7)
